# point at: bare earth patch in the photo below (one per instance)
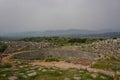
(61, 64)
(66, 65)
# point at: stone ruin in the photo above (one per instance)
(14, 46)
(109, 47)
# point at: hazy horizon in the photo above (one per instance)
(41, 15)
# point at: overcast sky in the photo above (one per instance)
(37, 15)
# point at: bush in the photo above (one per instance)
(112, 58)
(2, 47)
(50, 58)
(6, 65)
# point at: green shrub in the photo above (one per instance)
(50, 58)
(6, 65)
(100, 66)
(112, 58)
(2, 47)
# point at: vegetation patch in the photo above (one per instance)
(107, 64)
(34, 72)
(60, 40)
(51, 58)
(2, 47)
(6, 65)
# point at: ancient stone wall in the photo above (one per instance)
(14, 46)
(110, 47)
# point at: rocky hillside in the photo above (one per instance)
(105, 48)
(14, 46)
(109, 47)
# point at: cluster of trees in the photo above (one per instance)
(51, 58)
(2, 47)
(60, 40)
(82, 40)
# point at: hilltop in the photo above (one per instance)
(78, 58)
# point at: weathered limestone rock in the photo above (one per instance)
(102, 77)
(44, 70)
(77, 78)
(12, 78)
(66, 78)
(32, 74)
(94, 75)
(24, 76)
(3, 75)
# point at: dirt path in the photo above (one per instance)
(66, 65)
(7, 58)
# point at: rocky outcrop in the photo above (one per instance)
(14, 46)
(109, 47)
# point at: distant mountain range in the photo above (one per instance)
(63, 33)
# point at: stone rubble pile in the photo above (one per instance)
(109, 47)
(14, 46)
(31, 71)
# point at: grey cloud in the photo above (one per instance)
(31, 15)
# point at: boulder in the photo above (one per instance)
(32, 74)
(12, 78)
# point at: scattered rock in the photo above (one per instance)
(30, 71)
(12, 78)
(7, 69)
(94, 75)
(81, 71)
(32, 74)
(60, 72)
(66, 78)
(39, 69)
(15, 69)
(21, 73)
(77, 78)
(21, 66)
(44, 70)
(102, 77)
(3, 75)
(34, 67)
(26, 66)
(24, 76)
(52, 70)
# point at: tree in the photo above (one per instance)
(2, 49)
